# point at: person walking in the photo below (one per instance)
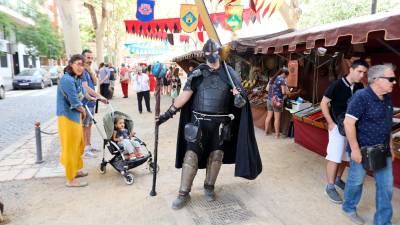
(89, 82)
(142, 87)
(277, 89)
(152, 78)
(368, 124)
(113, 77)
(176, 80)
(70, 113)
(333, 106)
(125, 79)
(104, 76)
(216, 135)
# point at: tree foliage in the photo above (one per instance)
(328, 11)
(6, 23)
(43, 39)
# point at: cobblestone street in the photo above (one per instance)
(20, 110)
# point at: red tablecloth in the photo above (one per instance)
(316, 140)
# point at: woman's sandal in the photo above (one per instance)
(81, 174)
(77, 184)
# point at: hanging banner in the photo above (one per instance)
(293, 67)
(145, 10)
(233, 17)
(189, 17)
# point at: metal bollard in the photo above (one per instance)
(39, 158)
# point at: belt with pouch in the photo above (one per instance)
(374, 157)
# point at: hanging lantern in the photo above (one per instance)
(233, 17)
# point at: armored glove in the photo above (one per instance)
(167, 115)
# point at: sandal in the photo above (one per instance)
(81, 174)
(77, 184)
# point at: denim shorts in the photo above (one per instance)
(88, 120)
(271, 108)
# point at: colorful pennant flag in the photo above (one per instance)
(233, 17)
(263, 8)
(145, 10)
(189, 17)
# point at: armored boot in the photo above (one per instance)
(213, 165)
(189, 170)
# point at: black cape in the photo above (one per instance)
(242, 150)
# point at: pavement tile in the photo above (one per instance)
(11, 162)
(4, 168)
(8, 175)
(50, 172)
(22, 166)
(27, 174)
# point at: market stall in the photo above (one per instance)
(324, 54)
(255, 71)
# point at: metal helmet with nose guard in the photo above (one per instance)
(211, 51)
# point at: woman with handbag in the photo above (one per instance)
(277, 89)
(70, 113)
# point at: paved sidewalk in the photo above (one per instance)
(17, 162)
(290, 190)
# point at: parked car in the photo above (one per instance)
(55, 73)
(2, 88)
(32, 78)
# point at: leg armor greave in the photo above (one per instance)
(213, 165)
(189, 170)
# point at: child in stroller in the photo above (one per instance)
(122, 137)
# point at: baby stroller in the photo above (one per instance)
(119, 160)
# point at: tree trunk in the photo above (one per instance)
(291, 13)
(99, 28)
(69, 21)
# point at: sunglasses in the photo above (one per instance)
(390, 79)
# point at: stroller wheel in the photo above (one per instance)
(102, 168)
(128, 178)
(151, 167)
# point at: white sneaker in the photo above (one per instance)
(88, 154)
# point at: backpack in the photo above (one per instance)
(159, 70)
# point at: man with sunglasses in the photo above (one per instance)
(368, 122)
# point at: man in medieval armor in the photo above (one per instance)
(215, 126)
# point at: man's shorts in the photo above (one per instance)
(272, 108)
(88, 120)
(336, 150)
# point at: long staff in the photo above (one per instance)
(157, 114)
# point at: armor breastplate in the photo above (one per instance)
(212, 95)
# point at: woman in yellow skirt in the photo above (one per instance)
(70, 113)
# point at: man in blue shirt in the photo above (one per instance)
(372, 110)
(89, 82)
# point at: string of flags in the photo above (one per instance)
(190, 21)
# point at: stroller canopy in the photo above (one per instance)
(108, 122)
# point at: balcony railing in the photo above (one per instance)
(20, 7)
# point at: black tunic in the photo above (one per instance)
(242, 150)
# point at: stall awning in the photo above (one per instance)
(191, 55)
(357, 29)
(249, 43)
